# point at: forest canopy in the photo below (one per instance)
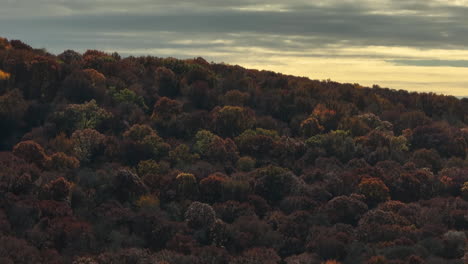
(140, 160)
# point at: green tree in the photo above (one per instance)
(127, 96)
(336, 143)
(236, 98)
(212, 147)
(230, 121)
(181, 155)
(257, 142)
(87, 143)
(82, 116)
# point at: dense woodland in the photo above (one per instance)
(158, 160)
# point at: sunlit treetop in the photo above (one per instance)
(4, 75)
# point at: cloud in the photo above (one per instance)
(432, 63)
(364, 23)
(296, 36)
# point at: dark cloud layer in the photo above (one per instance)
(433, 63)
(424, 24)
(365, 35)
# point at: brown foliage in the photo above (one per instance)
(31, 152)
(212, 167)
(58, 189)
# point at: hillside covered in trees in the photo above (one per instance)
(157, 160)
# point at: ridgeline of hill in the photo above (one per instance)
(157, 160)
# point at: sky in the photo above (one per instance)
(416, 45)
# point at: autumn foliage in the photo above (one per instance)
(107, 159)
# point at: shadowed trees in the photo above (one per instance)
(105, 159)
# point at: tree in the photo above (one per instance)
(425, 158)
(146, 167)
(61, 161)
(148, 202)
(58, 189)
(336, 143)
(411, 120)
(331, 248)
(374, 190)
(4, 44)
(4, 76)
(87, 143)
(325, 116)
(31, 152)
(292, 204)
(44, 73)
(441, 137)
(379, 226)
(310, 127)
(345, 209)
(201, 95)
(187, 187)
(139, 132)
(84, 85)
(257, 143)
(274, 183)
(464, 191)
(70, 57)
(128, 186)
(230, 121)
(53, 208)
(355, 125)
(214, 148)
(143, 143)
(84, 260)
(19, 45)
(377, 260)
(165, 110)
(200, 215)
(181, 156)
(212, 188)
(304, 258)
(210, 168)
(413, 185)
(166, 82)
(258, 255)
(14, 250)
(81, 116)
(127, 97)
(17, 175)
(235, 98)
(454, 244)
(245, 164)
(96, 59)
(13, 109)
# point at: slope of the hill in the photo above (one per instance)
(156, 160)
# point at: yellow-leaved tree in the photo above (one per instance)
(4, 75)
